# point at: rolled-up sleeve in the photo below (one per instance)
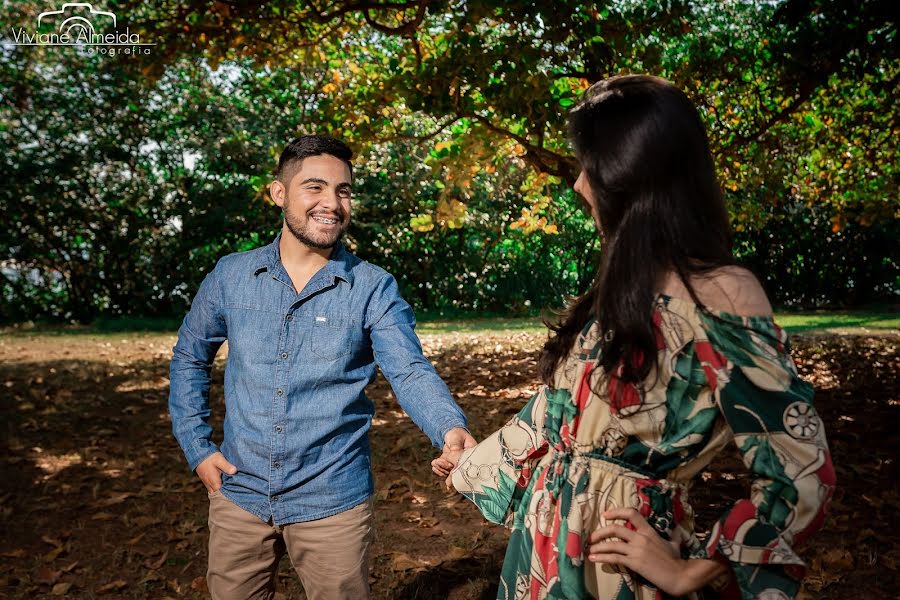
(782, 441)
(200, 336)
(419, 389)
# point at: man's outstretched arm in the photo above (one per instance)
(419, 389)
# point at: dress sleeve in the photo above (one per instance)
(495, 473)
(781, 440)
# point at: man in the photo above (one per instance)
(306, 323)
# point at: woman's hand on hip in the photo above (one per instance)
(645, 552)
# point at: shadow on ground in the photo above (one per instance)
(97, 499)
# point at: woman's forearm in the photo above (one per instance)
(701, 572)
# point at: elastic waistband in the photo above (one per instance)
(621, 468)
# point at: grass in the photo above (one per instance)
(794, 322)
(104, 326)
(838, 321)
(803, 322)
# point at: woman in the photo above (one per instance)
(671, 354)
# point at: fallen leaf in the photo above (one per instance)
(103, 516)
(61, 589)
(400, 561)
(199, 584)
(412, 516)
(47, 576)
(838, 558)
(152, 488)
(69, 568)
(54, 554)
(457, 553)
(113, 500)
(112, 586)
(144, 521)
(151, 576)
(153, 565)
(428, 522)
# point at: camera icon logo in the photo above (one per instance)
(77, 19)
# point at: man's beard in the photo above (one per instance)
(303, 232)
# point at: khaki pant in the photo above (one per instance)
(330, 555)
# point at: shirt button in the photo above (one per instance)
(283, 355)
(278, 429)
(277, 465)
(289, 318)
(279, 392)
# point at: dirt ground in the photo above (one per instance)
(98, 501)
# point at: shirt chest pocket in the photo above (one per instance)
(331, 335)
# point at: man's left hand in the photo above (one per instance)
(455, 441)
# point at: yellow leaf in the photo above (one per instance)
(421, 223)
(451, 213)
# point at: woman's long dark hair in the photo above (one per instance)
(644, 151)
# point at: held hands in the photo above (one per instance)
(211, 469)
(643, 551)
(455, 441)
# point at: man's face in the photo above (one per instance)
(316, 202)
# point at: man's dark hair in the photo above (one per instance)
(310, 145)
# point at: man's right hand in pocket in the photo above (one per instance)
(211, 469)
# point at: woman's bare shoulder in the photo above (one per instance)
(733, 289)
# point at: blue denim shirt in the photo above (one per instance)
(297, 417)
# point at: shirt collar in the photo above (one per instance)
(338, 264)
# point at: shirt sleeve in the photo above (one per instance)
(200, 336)
(495, 474)
(421, 392)
(782, 441)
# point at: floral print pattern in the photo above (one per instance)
(591, 442)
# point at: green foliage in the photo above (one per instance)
(482, 263)
(130, 175)
(805, 259)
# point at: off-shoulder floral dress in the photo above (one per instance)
(572, 453)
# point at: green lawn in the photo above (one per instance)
(804, 322)
(836, 322)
